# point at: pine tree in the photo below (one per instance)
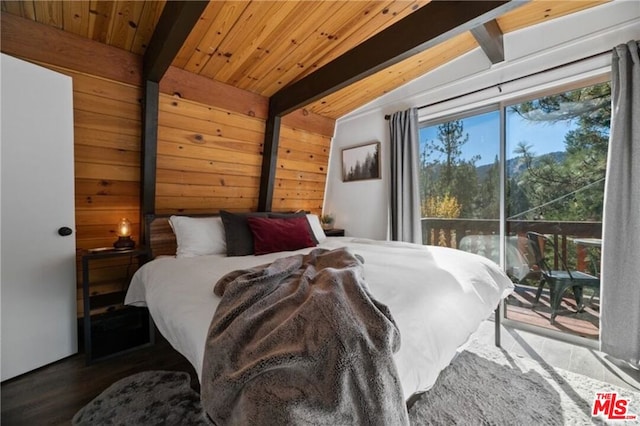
(444, 173)
(576, 181)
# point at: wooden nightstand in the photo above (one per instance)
(110, 327)
(334, 232)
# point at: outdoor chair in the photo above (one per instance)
(559, 280)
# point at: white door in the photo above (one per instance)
(37, 264)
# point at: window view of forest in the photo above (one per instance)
(566, 184)
(555, 167)
(456, 181)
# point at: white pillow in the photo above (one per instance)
(318, 232)
(198, 236)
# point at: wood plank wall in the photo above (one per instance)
(210, 140)
(301, 173)
(210, 158)
(107, 135)
(209, 147)
(107, 132)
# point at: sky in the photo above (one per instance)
(484, 135)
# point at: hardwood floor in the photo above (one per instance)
(52, 394)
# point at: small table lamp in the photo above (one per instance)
(123, 231)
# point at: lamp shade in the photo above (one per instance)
(123, 228)
(123, 231)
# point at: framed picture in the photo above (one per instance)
(361, 162)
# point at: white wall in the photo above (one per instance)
(361, 208)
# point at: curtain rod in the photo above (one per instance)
(595, 55)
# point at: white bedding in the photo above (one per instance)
(438, 297)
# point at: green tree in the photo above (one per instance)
(570, 187)
(444, 173)
(487, 200)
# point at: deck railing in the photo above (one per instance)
(449, 233)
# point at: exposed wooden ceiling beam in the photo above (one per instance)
(489, 36)
(422, 29)
(176, 22)
(24, 38)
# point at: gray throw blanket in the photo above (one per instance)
(302, 341)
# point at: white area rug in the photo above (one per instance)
(486, 385)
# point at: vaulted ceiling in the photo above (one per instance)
(266, 46)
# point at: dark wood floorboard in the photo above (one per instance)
(52, 394)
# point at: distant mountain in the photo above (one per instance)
(516, 166)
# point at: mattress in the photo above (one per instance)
(438, 297)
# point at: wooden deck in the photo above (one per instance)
(586, 324)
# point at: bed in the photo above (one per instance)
(437, 296)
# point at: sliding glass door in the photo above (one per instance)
(552, 184)
(556, 156)
(460, 183)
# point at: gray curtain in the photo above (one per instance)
(620, 320)
(405, 194)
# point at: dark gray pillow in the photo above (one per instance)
(296, 214)
(237, 232)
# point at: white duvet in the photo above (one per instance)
(437, 296)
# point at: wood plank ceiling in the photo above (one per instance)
(264, 46)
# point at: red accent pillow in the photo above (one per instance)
(274, 234)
